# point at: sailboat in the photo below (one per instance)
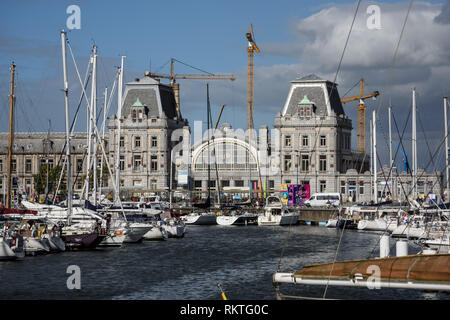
(74, 238)
(202, 217)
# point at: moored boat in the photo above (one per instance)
(200, 218)
(275, 214)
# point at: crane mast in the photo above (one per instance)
(361, 114)
(252, 48)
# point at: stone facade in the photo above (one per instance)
(310, 143)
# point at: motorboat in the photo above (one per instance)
(276, 214)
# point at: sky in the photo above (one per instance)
(296, 38)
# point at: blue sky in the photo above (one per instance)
(296, 38)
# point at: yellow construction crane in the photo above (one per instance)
(176, 87)
(252, 48)
(361, 114)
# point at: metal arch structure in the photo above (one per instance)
(199, 149)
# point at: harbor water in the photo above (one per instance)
(242, 259)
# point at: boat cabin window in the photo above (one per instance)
(276, 211)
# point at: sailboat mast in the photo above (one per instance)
(47, 151)
(11, 137)
(375, 182)
(391, 162)
(209, 153)
(94, 123)
(103, 138)
(66, 100)
(447, 188)
(119, 116)
(414, 146)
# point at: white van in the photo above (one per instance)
(324, 200)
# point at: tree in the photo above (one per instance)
(40, 180)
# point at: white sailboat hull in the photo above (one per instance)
(226, 220)
(200, 219)
(156, 233)
(174, 231)
(136, 232)
(55, 243)
(34, 246)
(331, 223)
(241, 219)
(5, 252)
(372, 225)
(278, 220)
(114, 239)
(405, 231)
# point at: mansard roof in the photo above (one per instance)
(157, 97)
(322, 93)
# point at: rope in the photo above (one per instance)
(334, 260)
(187, 65)
(321, 121)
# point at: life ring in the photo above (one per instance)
(119, 233)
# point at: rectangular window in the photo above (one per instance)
(28, 165)
(323, 141)
(301, 112)
(238, 183)
(154, 163)
(122, 142)
(287, 162)
(79, 185)
(122, 163)
(305, 163)
(287, 181)
(343, 189)
(304, 182)
(50, 164)
(1, 165)
(197, 184)
(322, 163)
(323, 185)
(287, 141)
(308, 112)
(212, 183)
(13, 165)
(153, 184)
(305, 141)
(141, 115)
(137, 142)
(79, 165)
(271, 184)
(361, 187)
(225, 183)
(154, 142)
(137, 162)
(133, 115)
